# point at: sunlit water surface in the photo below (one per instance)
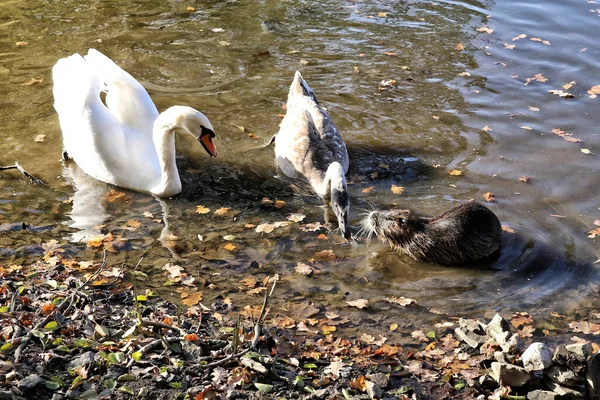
(450, 108)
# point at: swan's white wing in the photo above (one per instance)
(126, 98)
(93, 136)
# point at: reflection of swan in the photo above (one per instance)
(88, 211)
(308, 145)
(125, 142)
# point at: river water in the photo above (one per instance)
(469, 92)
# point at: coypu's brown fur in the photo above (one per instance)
(460, 235)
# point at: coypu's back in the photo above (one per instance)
(460, 235)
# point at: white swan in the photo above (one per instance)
(309, 146)
(126, 142)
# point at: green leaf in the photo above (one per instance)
(229, 238)
(52, 283)
(310, 366)
(137, 355)
(431, 335)
(346, 394)
(38, 334)
(263, 387)
(126, 378)
(4, 309)
(460, 384)
(110, 384)
(116, 358)
(58, 380)
(51, 326)
(126, 389)
(63, 348)
(6, 347)
(140, 276)
(176, 385)
(141, 297)
(52, 385)
(83, 343)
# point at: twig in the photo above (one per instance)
(18, 166)
(257, 330)
(69, 299)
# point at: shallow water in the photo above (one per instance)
(235, 61)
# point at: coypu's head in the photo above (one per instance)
(394, 226)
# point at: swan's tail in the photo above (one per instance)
(74, 86)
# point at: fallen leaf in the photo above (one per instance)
(420, 336)
(279, 204)
(509, 46)
(535, 109)
(47, 308)
(521, 318)
(356, 70)
(397, 189)
(253, 136)
(266, 228)
(191, 298)
(322, 236)
(33, 81)
(202, 210)
(296, 217)
(464, 73)
(393, 326)
(459, 47)
(486, 128)
(230, 246)
(190, 8)
(455, 172)
(221, 211)
(586, 151)
(519, 37)
(536, 78)
(526, 331)
(382, 14)
(303, 62)
(114, 195)
(585, 327)
(528, 128)
(21, 44)
(303, 269)
(132, 223)
(39, 138)
(359, 384)
(390, 53)
(594, 233)
(485, 29)
(360, 303)
(569, 85)
(403, 301)
(567, 136)
(524, 179)
(594, 91)
(368, 189)
(489, 196)
(325, 255)
(328, 329)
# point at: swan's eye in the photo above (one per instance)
(206, 131)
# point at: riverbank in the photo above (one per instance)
(74, 329)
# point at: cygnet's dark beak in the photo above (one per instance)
(344, 227)
(206, 140)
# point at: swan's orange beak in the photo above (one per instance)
(206, 141)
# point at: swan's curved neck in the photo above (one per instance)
(163, 136)
(334, 179)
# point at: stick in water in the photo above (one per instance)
(18, 166)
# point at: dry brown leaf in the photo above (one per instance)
(47, 308)
(328, 329)
(249, 281)
(114, 195)
(526, 331)
(303, 269)
(560, 93)
(527, 128)
(535, 39)
(382, 14)
(403, 301)
(279, 204)
(322, 236)
(202, 210)
(486, 128)
(356, 70)
(266, 228)
(230, 246)
(132, 223)
(567, 136)
(222, 211)
(485, 29)
(509, 46)
(536, 78)
(519, 37)
(594, 91)
(359, 303)
(325, 255)
(569, 85)
(535, 109)
(191, 298)
(359, 384)
(521, 318)
(489, 196)
(594, 233)
(296, 217)
(585, 327)
(390, 53)
(397, 189)
(190, 9)
(33, 81)
(21, 44)
(368, 189)
(524, 179)
(455, 172)
(459, 47)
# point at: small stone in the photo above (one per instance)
(87, 358)
(592, 376)
(511, 345)
(379, 378)
(537, 357)
(254, 365)
(541, 395)
(509, 375)
(564, 376)
(471, 338)
(571, 393)
(373, 390)
(6, 395)
(471, 325)
(569, 359)
(581, 349)
(191, 351)
(487, 382)
(29, 382)
(497, 325)
(57, 396)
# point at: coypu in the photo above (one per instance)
(460, 235)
